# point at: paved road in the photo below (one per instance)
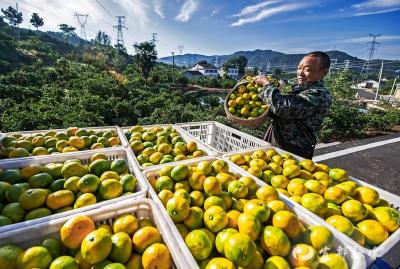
(379, 166)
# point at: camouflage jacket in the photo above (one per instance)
(297, 117)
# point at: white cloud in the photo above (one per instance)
(377, 4)
(187, 9)
(377, 11)
(158, 8)
(214, 12)
(265, 13)
(253, 8)
(371, 7)
(138, 11)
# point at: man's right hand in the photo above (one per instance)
(262, 80)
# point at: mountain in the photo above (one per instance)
(46, 47)
(256, 58)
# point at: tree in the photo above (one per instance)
(121, 48)
(37, 22)
(277, 72)
(67, 30)
(145, 58)
(102, 38)
(239, 62)
(13, 16)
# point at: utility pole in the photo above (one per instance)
(154, 38)
(216, 61)
(379, 83)
(120, 27)
(333, 63)
(347, 64)
(173, 67)
(371, 50)
(180, 48)
(16, 7)
(82, 19)
(391, 91)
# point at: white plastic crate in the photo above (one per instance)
(144, 208)
(185, 137)
(220, 137)
(111, 153)
(102, 128)
(393, 200)
(354, 258)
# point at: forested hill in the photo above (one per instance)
(47, 47)
(257, 58)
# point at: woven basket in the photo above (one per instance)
(253, 123)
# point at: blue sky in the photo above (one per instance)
(225, 26)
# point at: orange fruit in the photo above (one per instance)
(212, 186)
(307, 165)
(303, 255)
(75, 230)
(199, 244)
(296, 188)
(276, 206)
(267, 193)
(388, 217)
(291, 171)
(338, 174)
(126, 223)
(145, 237)
(238, 189)
(342, 224)
(276, 262)
(318, 237)
(367, 196)
(257, 208)
(288, 222)
(34, 257)
(221, 237)
(195, 218)
(96, 246)
(219, 263)
(354, 210)
(178, 208)
(314, 202)
(250, 225)
(233, 216)
(373, 231)
(215, 219)
(9, 255)
(275, 242)
(240, 249)
(335, 195)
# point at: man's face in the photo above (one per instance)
(309, 70)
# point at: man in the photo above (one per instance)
(297, 117)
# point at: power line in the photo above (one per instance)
(120, 27)
(154, 38)
(371, 50)
(82, 19)
(108, 13)
(180, 48)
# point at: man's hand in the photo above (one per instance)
(262, 80)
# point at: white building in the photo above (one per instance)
(370, 84)
(205, 68)
(231, 72)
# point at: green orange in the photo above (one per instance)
(199, 244)
(240, 249)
